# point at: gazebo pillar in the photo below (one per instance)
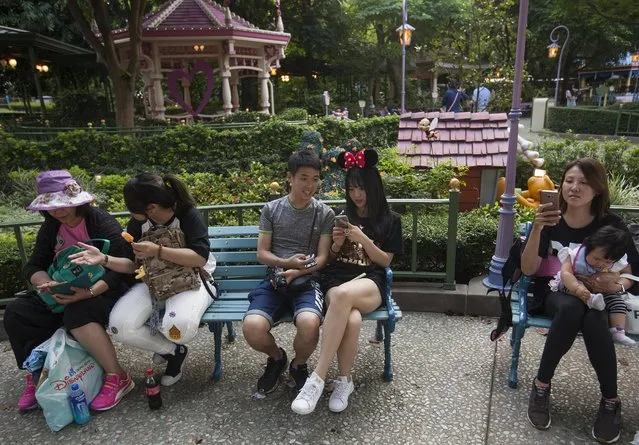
(159, 108)
(264, 77)
(234, 94)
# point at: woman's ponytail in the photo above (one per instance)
(183, 199)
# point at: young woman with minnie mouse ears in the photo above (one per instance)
(366, 236)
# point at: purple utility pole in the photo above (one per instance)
(508, 199)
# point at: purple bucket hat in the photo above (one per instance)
(56, 190)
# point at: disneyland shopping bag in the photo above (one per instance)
(67, 362)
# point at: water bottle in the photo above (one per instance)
(79, 406)
(152, 386)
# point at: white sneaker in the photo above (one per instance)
(596, 302)
(339, 399)
(308, 396)
(619, 336)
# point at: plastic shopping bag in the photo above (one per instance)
(632, 317)
(67, 362)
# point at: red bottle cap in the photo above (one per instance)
(150, 371)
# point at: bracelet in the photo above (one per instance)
(106, 259)
(623, 289)
(91, 292)
(160, 252)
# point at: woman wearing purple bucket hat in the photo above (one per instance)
(69, 219)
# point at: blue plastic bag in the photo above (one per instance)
(67, 362)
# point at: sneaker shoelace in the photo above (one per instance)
(309, 392)
(110, 386)
(541, 397)
(340, 389)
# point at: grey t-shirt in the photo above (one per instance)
(290, 228)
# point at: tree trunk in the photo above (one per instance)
(124, 106)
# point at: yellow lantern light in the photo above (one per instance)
(13, 63)
(273, 71)
(635, 59)
(553, 50)
(285, 78)
(45, 68)
(405, 34)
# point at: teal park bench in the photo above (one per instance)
(521, 318)
(238, 272)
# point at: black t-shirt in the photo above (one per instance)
(353, 260)
(561, 235)
(191, 223)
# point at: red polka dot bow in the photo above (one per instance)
(351, 160)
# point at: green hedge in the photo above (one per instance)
(189, 148)
(585, 120)
(619, 156)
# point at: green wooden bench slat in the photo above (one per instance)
(244, 271)
(219, 231)
(235, 257)
(233, 243)
(238, 285)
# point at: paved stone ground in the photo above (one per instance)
(449, 388)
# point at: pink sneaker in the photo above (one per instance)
(28, 400)
(115, 387)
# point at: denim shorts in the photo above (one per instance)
(272, 304)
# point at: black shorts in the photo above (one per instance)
(332, 280)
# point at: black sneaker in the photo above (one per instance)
(299, 375)
(608, 422)
(174, 365)
(539, 407)
(269, 380)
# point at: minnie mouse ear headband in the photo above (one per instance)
(360, 159)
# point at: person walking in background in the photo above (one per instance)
(481, 97)
(451, 102)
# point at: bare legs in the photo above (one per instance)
(95, 340)
(342, 323)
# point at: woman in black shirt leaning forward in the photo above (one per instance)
(355, 281)
(585, 207)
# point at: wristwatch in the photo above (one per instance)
(91, 292)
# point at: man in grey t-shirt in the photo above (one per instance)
(295, 237)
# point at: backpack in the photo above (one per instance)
(163, 277)
(69, 275)
(510, 274)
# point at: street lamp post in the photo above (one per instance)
(405, 32)
(635, 64)
(508, 199)
(552, 53)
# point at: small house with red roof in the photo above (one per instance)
(185, 31)
(476, 140)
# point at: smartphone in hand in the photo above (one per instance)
(341, 221)
(549, 196)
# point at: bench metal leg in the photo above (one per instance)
(518, 333)
(216, 328)
(379, 334)
(388, 370)
(230, 336)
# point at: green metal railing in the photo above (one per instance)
(41, 134)
(627, 123)
(414, 205)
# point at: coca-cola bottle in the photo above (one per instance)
(152, 386)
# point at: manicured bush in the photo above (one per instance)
(619, 156)
(190, 148)
(293, 114)
(584, 120)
